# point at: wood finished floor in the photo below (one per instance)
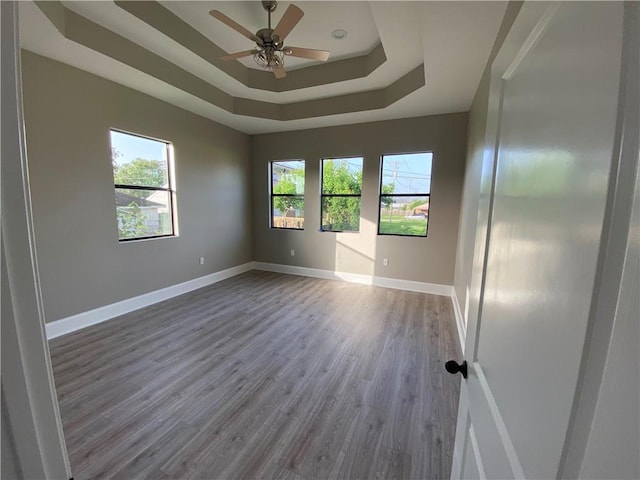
(264, 375)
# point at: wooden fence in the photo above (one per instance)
(288, 222)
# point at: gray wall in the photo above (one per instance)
(10, 468)
(473, 170)
(471, 194)
(68, 114)
(428, 259)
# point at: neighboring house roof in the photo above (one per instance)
(422, 208)
(159, 197)
(124, 199)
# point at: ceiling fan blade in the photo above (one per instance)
(322, 55)
(289, 20)
(246, 53)
(231, 23)
(279, 71)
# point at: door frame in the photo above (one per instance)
(28, 387)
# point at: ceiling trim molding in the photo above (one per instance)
(165, 21)
(359, 101)
(83, 31)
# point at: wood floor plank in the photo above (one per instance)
(264, 375)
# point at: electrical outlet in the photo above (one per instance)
(201, 260)
(385, 262)
(293, 252)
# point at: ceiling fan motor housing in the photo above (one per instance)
(268, 39)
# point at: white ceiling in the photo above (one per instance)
(452, 39)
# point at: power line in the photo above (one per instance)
(408, 173)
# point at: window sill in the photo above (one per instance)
(145, 239)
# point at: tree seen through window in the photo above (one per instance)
(143, 192)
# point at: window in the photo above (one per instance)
(405, 186)
(340, 197)
(145, 196)
(287, 194)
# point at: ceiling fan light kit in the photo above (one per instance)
(270, 49)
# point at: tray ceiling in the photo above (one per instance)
(399, 59)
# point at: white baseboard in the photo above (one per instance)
(101, 314)
(462, 329)
(432, 288)
(412, 286)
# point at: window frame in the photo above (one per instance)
(341, 195)
(295, 195)
(380, 194)
(170, 189)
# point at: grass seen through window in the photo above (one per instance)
(405, 190)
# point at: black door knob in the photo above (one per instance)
(453, 367)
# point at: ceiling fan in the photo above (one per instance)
(270, 49)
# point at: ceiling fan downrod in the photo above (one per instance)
(270, 7)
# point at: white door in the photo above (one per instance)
(550, 143)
